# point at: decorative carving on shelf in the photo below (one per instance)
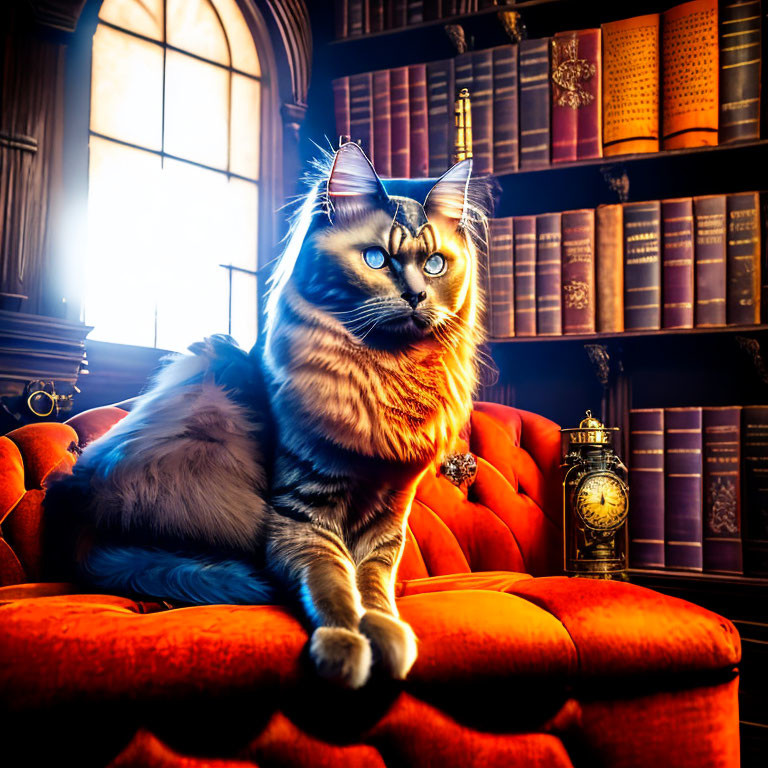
(751, 347)
(601, 361)
(617, 179)
(295, 37)
(57, 14)
(457, 36)
(513, 24)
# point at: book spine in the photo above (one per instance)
(642, 266)
(683, 488)
(722, 490)
(415, 11)
(417, 102)
(382, 124)
(646, 488)
(631, 85)
(501, 279)
(525, 275)
(399, 13)
(376, 15)
(549, 259)
(754, 436)
(481, 94)
(709, 220)
(740, 65)
(341, 106)
(360, 111)
(589, 132)
(610, 268)
(440, 115)
(677, 262)
(534, 103)
(690, 75)
(579, 271)
(341, 19)
(565, 101)
(505, 109)
(400, 136)
(743, 256)
(432, 9)
(355, 19)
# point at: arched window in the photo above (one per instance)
(174, 172)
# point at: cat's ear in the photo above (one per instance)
(353, 186)
(448, 198)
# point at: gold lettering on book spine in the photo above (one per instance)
(569, 72)
(462, 146)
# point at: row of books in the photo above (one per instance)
(682, 263)
(698, 487)
(361, 17)
(579, 95)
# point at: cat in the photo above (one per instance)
(289, 472)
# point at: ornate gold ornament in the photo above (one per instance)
(576, 294)
(722, 506)
(569, 72)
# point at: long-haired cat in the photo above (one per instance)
(294, 469)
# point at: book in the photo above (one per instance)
(415, 13)
(361, 111)
(440, 115)
(690, 75)
(709, 221)
(576, 95)
(722, 489)
(382, 124)
(578, 246)
(549, 313)
(642, 266)
(400, 136)
(481, 94)
(341, 19)
(341, 106)
(631, 85)
(505, 120)
(677, 262)
(740, 65)
(743, 253)
(609, 268)
(356, 18)
(683, 489)
(501, 279)
(524, 236)
(754, 451)
(646, 487)
(417, 104)
(534, 103)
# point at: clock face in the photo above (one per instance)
(601, 501)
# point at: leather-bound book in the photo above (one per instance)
(646, 488)
(683, 489)
(577, 114)
(722, 489)
(677, 263)
(505, 122)
(440, 115)
(534, 103)
(361, 111)
(399, 13)
(631, 61)
(341, 19)
(356, 23)
(481, 95)
(743, 256)
(341, 106)
(400, 136)
(754, 453)
(376, 15)
(415, 11)
(642, 266)
(709, 221)
(579, 271)
(382, 124)
(525, 275)
(609, 268)
(501, 279)
(690, 75)
(417, 103)
(740, 65)
(549, 262)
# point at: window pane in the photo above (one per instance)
(238, 229)
(196, 109)
(192, 25)
(123, 243)
(127, 88)
(246, 107)
(244, 316)
(244, 56)
(142, 16)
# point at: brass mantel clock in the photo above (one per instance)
(595, 503)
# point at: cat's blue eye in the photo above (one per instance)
(435, 264)
(375, 257)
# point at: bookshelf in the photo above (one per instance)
(560, 376)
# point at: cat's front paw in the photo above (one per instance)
(394, 640)
(341, 656)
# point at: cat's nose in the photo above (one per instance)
(414, 299)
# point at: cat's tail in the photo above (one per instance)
(175, 576)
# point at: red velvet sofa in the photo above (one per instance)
(516, 667)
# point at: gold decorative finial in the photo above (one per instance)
(513, 25)
(462, 148)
